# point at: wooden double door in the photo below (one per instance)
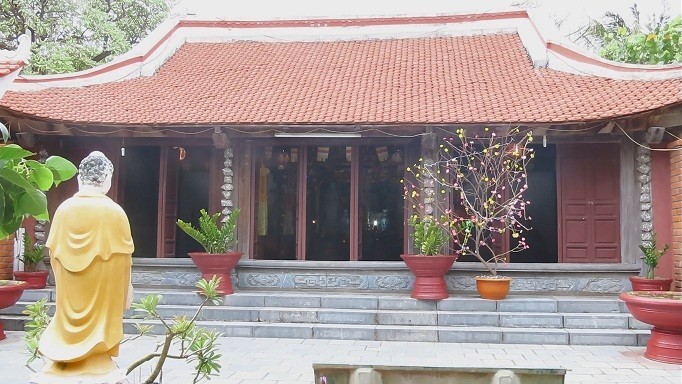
(589, 203)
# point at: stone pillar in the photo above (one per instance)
(676, 196)
(644, 178)
(227, 202)
(7, 258)
(429, 152)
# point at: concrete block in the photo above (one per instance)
(344, 332)
(531, 304)
(244, 300)
(643, 338)
(596, 321)
(407, 318)
(231, 329)
(602, 337)
(346, 316)
(230, 314)
(636, 324)
(407, 303)
(531, 320)
(14, 323)
(33, 295)
(474, 319)
(287, 315)
(285, 331)
(473, 304)
(534, 336)
(365, 376)
(406, 333)
(349, 302)
(486, 335)
(170, 297)
(287, 301)
(591, 305)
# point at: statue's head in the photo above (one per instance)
(95, 171)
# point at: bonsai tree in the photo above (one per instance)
(214, 238)
(487, 174)
(183, 339)
(33, 253)
(652, 256)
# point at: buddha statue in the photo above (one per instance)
(90, 249)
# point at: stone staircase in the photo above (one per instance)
(583, 320)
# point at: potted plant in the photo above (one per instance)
(662, 310)
(429, 266)
(32, 255)
(487, 176)
(218, 241)
(651, 257)
(10, 292)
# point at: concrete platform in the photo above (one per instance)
(290, 361)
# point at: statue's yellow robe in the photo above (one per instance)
(90, 252)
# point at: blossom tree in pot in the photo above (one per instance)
(651, 257)
(487, 173)
(31, 257)
(218, 241)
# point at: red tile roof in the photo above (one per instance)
(9, 66)
(465, 79)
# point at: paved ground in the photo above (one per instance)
(284, 361)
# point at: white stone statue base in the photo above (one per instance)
(117, 376)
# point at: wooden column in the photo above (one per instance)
(676, 196)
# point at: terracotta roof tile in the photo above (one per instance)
(466, 79)
(9, 66)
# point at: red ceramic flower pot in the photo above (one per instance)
(220, 265)
(640, 283)
(35, 280)
(429, 272)
(10, 292)
(663, 310)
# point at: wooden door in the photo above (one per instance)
(168, 202)
(589, 193)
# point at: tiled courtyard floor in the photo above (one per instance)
(283, 361)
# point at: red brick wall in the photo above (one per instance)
(6, 258)
(676, 195)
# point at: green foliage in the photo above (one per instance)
(662, 46)
(33, 253)
(73, 35)
(211, 236)
(23, 183)
(652, 255)
(38, 319)
(194, 344)
(428, 234)
(657, 42)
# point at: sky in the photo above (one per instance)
(569, 14)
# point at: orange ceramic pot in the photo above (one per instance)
(493, 287)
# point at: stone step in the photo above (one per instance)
(390, 317)
(491, 335)
(556, 304)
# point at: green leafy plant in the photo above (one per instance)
(38, 319)
(428, 234)
(33, 253)
(183, 339)
(23, 183)
(211, 236)
(652, 256)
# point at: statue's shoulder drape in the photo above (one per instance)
(85, 227)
